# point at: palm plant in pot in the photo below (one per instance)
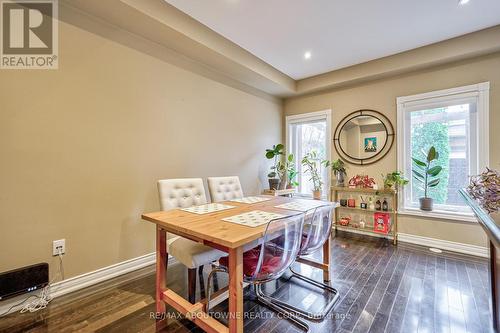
(311, 163)
(426, 174)
(274, 153)
(338, 168)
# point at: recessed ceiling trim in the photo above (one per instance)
(464, 47)
(184, 24)
(218, 58)
(177, 45)
(339, 33)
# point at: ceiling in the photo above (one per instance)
(337, 33)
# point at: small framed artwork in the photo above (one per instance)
(370, 145)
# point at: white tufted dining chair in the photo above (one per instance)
(181, 193)
(224, 188)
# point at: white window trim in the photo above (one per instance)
(311, 116)
(481, 90)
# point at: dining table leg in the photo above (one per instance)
(236, 290)
(326, 260)
(161, 270)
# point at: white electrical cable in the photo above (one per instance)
(44, 298)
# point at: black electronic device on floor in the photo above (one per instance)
(23, 280)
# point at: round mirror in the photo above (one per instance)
(363, 137)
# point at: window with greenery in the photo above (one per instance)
(305, 133)
(448, 130)
(447, 120)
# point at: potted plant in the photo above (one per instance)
(485, 188)
(282, 168)
(338, 168)
(310, 162)
(394, 180)
(292, 174)
(426, 174)
(274, 153)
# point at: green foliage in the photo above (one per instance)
(274, 152)
(338, 166)
(424, 136)
(395, 178)
(311, 163)
(292, 172)
(283, 168)
(291, 178)
(423, 171)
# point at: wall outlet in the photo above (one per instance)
(58, 246)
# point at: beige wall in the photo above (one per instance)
(381, 95)
(83, 146)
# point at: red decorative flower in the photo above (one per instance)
(361, 181)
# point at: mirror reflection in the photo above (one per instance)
(363, 137)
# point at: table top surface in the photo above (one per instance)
(489, 222)
(210, 228)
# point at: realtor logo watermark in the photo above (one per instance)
(29, 36)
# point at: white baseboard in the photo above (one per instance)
(361, 232)
(88, 279)
(474, 250)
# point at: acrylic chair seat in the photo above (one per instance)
(270, 264)
(275, 252)
(314, 234)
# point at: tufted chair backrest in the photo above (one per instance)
(224, 188)
(181, 193)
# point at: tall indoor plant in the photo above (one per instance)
(426, 174)
(338, 168)
(283, 169)
(274, 153)
(311, 163)
(292, 175)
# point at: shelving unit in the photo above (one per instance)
(367, 210)
(337, 192)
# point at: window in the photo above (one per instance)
(455, 122)
(305, 133)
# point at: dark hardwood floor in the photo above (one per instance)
(383, 289)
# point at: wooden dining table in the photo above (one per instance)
(209, 229)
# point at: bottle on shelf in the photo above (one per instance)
(371, 205)
(351, 202)
(385, 205)
(363, 204)
(362, 223)
(378, 205)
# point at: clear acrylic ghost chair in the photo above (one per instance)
(273, 255)
(314, 235)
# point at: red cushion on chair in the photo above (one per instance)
(270, 263)
(303, 241)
